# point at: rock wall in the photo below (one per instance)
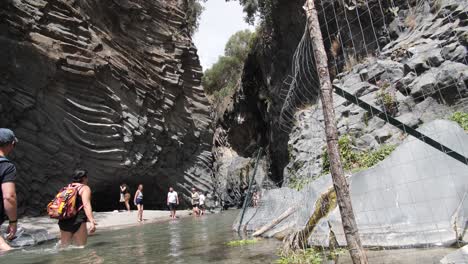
(416, 197)
(248, 120)
(423, 63)
(110, 86)
(424, 71)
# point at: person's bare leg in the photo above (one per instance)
(141, 215)
(81, 236)
(65, 238)
(4, 245)
(139, 212)
(127, 205)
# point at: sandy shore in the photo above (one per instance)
(49, 230)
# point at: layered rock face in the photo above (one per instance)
(422, 60)
(423, 71)
(416, 197)
(113, 87)
(249, 120)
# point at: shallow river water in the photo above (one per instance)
(190, 240)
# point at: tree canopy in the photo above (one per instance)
(254, 8)
(194, 12)
(225, 73)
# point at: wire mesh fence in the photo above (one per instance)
(408, 59)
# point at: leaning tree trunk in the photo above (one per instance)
(326, 95)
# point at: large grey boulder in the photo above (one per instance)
(415, 197)
(458, 257)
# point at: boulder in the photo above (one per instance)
(460, 256)
(415, 197)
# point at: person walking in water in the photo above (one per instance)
(73, 230)
(8, 202)
(172, 202)
(138, 201)
(125, 196)
(202, 203)
(195, 202)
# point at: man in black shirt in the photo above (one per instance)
(8, 142)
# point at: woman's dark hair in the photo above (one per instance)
(78, 175)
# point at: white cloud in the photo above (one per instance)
(219, 21)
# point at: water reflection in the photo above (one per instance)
(191, 240)
(174, 240)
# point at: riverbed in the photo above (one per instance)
(190, 240)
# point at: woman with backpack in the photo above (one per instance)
(73, 230)
(138, 201)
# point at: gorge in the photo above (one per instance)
(116, 88)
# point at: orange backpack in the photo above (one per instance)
(63, 206)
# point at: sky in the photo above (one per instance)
(219, 21)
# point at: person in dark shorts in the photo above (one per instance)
(138, 200)
(172, 202)
(73, 231)
(195, 202)
(8, 201)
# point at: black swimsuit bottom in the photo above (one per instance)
(72, 225)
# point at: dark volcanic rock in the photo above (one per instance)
(110, 86)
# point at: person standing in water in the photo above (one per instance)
(195, 202)
(73, 230)
(172, 202)
(202, 203)
(122, 199)
(125, 196)
(138, 201)
(8, 203)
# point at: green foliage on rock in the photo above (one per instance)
(305, 256)
(461, 118)
(258, 8)
(370, 158)
(356, 160)
(243, 242)
(223, 77)
(298, 183)
(308, 256)
(387, 98)
(193, 13)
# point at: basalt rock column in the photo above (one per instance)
(110, 86)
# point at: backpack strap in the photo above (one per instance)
(78, 189)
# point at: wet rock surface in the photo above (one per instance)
(458, 257)
(113, 87)
(415, 197)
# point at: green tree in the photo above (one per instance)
(239, 45)
(254, 8)
(194, 10)
(225, 73)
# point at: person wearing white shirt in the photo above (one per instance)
(172, 202)
(202, 203)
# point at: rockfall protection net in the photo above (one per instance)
(409, 60)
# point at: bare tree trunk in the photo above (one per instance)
(339, 181)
